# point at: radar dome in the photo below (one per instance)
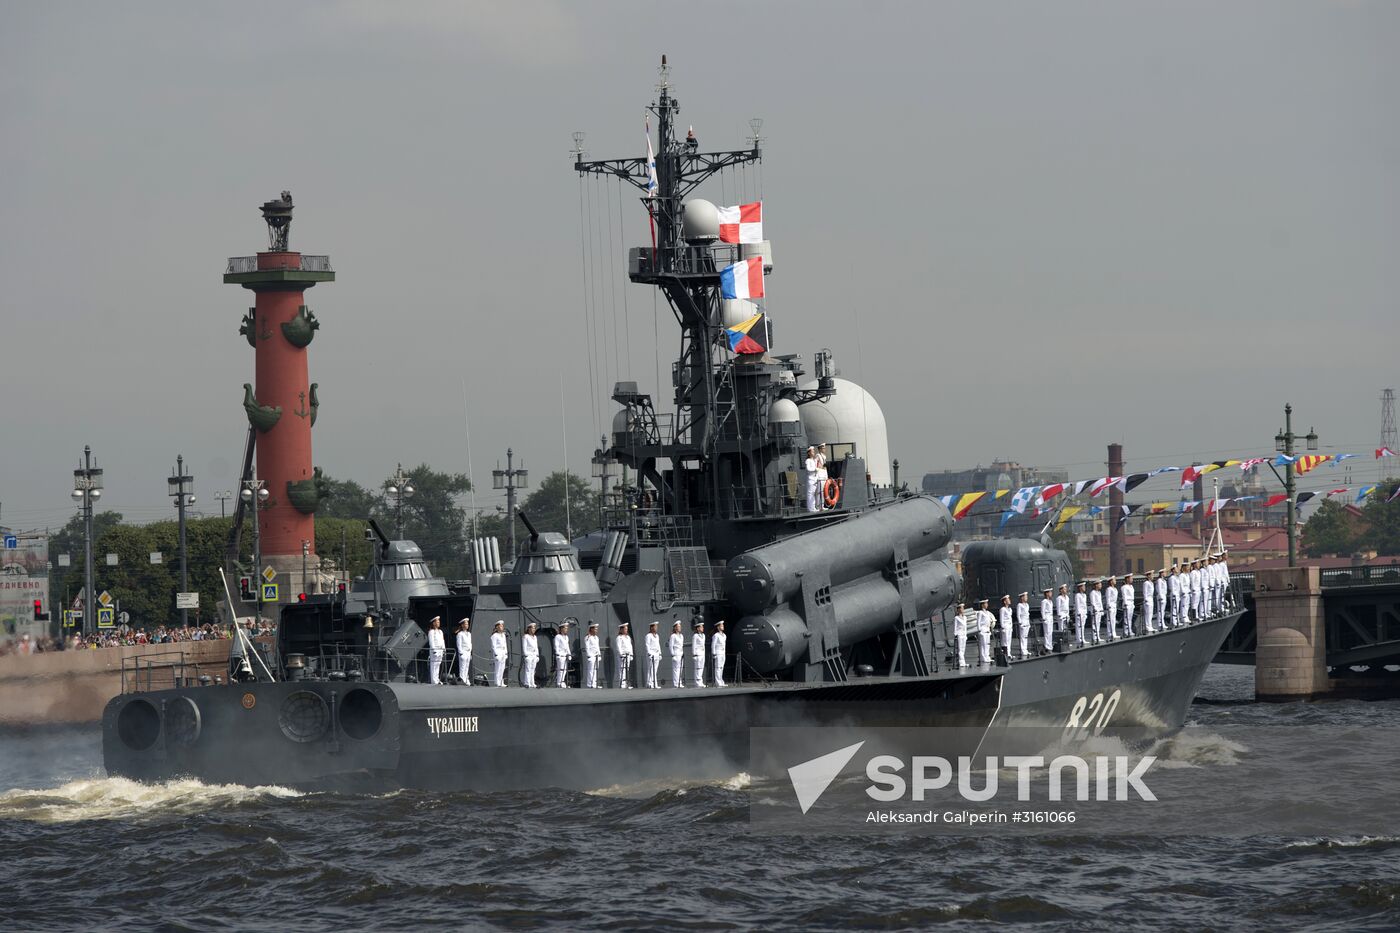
(851, 416)
(783, 410)
(699, 221)
(624, 422)
(735, 311)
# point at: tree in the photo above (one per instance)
(1064, 539)
(348, 499)
(1330, 531)
(65, 583)
(333, 534)
(1382, 521)
(432, 518)
(547, 510)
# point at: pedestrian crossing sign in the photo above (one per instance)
(269, 592)
(71, 618)
(106, 617)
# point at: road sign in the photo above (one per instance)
(186, 600)
(269, 592)
(65, 560)
(124, 617)
(106, 617)
(11, 541)
(105, 599)
(72, 618)
(269, 574)
(112, 560)
(156, 557)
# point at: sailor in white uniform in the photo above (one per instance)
(697, 653)
(592, 651)
(1005, 615)
(464, 651)
(500, 653)
(1096, 607)
(562, 654)
(1129, 596)
(1225, 593)
(1081, 614)
(1061, 611)
(1174, 592)
(1110, 604)
(1149, 600)
(676, 644)
(1162, 600)
(623, 644)
(1047, 619)
(984, 633)
(718, 646)
(809, 468)
(1023, 624)
(437, 649)
(653, 646)
(530, 656)
(960, 635)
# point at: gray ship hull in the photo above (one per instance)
(377, 736)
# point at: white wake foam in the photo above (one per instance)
(121, 798)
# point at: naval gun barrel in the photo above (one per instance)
(771, 575)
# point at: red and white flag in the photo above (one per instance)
(1100, 486)
(1191, 474)
(1384, 452)
(1049, 492)
(742, 224)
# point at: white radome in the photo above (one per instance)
(735, 311)
(699, 221)
(784, 410)
(851, 416)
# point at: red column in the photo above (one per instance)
(284, 453)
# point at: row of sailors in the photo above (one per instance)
(1185, 593)
(592, 654)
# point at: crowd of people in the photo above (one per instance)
(702, 648)
(1171, 597)
(125, 635)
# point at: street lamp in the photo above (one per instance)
(87, 489)
(602, 474)
(223, 495)
(255, 494)
(181, 489)
(1283, 443)
(510, 479)
(400, 489)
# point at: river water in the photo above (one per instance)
(82, 852)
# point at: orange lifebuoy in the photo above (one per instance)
(831, 493)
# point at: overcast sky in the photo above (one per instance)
(1029, 228)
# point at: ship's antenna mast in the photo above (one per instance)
(688, 275)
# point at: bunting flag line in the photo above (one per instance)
(1251, 463)
(1365, 491)
(1305, 496)
(1132, 481)
(1283, 460)
(1309, 463)
(1340, 457)
(748, 336)
(1048, 492)
(1000, 493)
(1339, 491)
(1275, 500)
(1189, 475)
(1077, 488)
(966, 502)
(1384, 452)
(947, 501)
(1101, 486)
(1023, 498)
(742, 224)
(1005, 517)
(1394, 494)
(1160, 470)
(1066, 514)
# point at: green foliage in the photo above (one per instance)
(1330, 531)
(347, 499)
(546, 505)
(334, 533)
(65, 583)
(432, 518)
(1382, 521)
(1064, 539)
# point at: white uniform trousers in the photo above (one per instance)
(464, 669)
(498, 675)
(435, 667)
(813, 495)
(677, 662)
(1127, 619)
(1079, 623)
(1112, 609)
(1162, 613)
(1098, 627)
(561, 671)
(699, 660)
(527, 672)
(960, 640)
(984, 639)
(1046, 632)
(624, 671)
(653, 668)
(590, 671)
(719, 671)
(1176, 611)
(1025, 633)
(1147, 607)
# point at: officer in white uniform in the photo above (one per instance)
(1198, 591)
(500, 652)
(697, 653)
(464, 651)
(437, 649)
(1149, 600)
(1096, 607)
(1061, 611)
(1162, 600)
(984, 633)
(653, 646)
(592, 651)
(1004, 616)
(623, 644)
(718, 645)
(530, 656)
(1174, 591)
(677, 645)
(1110, 604)
(960, 635)
(1225, 581)
(1081, 614)
(562, 654)
(809, 467)
(1129, 596)
(1023, 623)
(1047, 619)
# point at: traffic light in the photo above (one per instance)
(39, 614)
(245, 589)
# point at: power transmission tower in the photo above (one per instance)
(1388, 438)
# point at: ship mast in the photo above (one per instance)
(689, 278)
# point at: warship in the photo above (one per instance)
(839, 615)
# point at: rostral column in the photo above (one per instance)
(282, 404)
